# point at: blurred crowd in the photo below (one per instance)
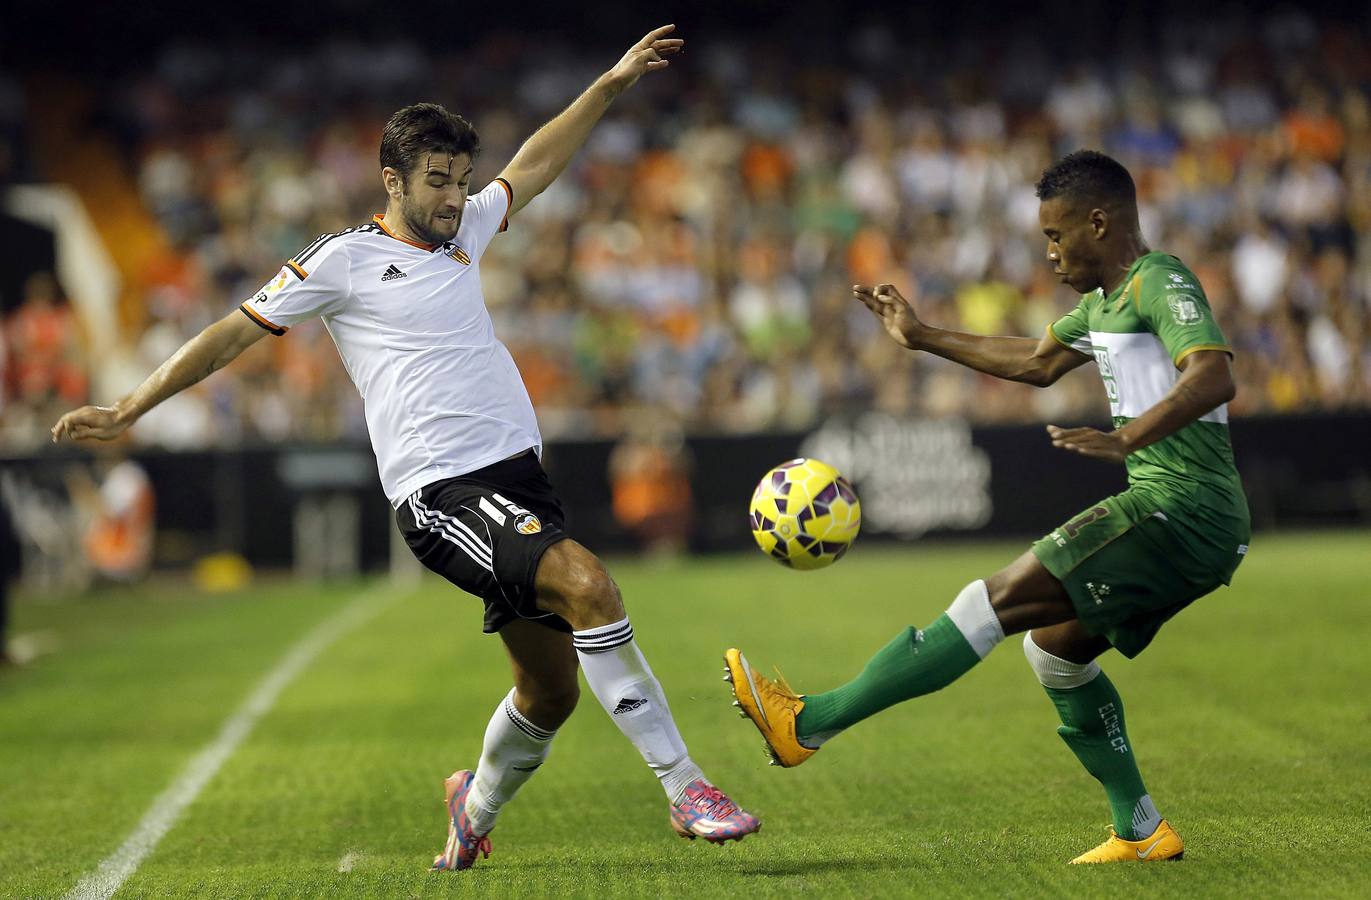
(695, 260)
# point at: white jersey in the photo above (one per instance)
(442, 394)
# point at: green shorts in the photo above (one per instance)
(1128, 567)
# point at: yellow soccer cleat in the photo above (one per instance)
(771, 705)
(1164, 843)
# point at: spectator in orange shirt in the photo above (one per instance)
(650, 488)
(120, 519)
(45, 346)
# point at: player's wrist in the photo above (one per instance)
(612, 83)
(123, 412)
(918, 336)
(1127, 444)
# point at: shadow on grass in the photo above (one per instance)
(835, 861)
(821, 866)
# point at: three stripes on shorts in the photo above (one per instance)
(453, 530)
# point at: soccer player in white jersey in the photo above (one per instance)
(1111, 576)
(458, 446)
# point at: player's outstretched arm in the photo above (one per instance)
(1206, 381)
(1035, 362)
(543, 156)
(208, 351)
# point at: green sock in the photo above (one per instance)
(1093, 727)
(915, 663)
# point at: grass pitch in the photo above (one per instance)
(1249, 716)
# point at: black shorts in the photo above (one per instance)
(485, 531)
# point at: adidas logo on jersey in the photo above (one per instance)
(391, 273)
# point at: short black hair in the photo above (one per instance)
(425, 128)
(1089, 176)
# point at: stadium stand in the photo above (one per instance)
(696, 260)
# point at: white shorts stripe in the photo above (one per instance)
(447, 534)
(427, 518)
(452, 521)
(438, 529)
(452, 537)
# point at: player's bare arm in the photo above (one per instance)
(1036, 362)
(544, 155)
(207, 352)
(1206, 381)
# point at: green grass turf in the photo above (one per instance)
(1249, 715)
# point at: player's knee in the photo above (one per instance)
(598, 595)
(588, 591)
(1025, 595)
(1009, 586)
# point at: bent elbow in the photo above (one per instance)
(1222, 388)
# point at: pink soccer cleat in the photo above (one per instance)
(462, 846)
(707, 812)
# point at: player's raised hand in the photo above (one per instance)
(892, 309)
(98, 422)
(648, 55)
(1105, 445)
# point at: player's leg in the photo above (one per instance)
(1128, 568)
(918, 661)
(572, 583)
(520, 732)
(1063, 658)
(517, 739)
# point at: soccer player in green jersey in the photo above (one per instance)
(1110, 576)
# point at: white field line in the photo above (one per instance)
(116, 868)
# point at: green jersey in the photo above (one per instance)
(1138, 335)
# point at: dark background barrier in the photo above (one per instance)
(916, 479)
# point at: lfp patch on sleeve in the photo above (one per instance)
(273, 287)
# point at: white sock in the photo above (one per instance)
(975, 618)
(1055, 672)
(513, 750)
(623, 682)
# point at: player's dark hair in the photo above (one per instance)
(423, 128)
(1088, 176)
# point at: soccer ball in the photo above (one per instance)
(804, 514)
